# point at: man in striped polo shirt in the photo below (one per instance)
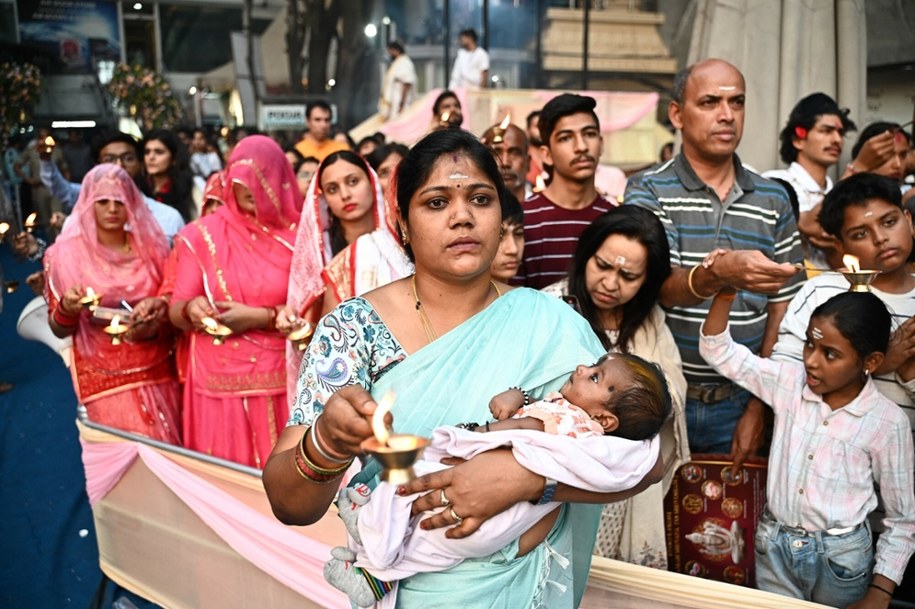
(555, 218)
(726, 226)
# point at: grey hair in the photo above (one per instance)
(680, 80)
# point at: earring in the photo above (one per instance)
(866, 373)
(403, 235)
(501, 232)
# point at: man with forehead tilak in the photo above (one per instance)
(726, 226)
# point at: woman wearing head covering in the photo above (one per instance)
(113, 245)
(233, 269)
(328, 269)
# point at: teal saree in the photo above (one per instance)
(525, 339)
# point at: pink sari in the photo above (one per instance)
(315, 269)
(235, 393)
(131, 386)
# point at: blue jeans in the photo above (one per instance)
(710, 427)
(833, 570)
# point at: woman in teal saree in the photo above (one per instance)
(445, 341)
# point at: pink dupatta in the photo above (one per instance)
(233, 256)
(312, 254)
(100, 369)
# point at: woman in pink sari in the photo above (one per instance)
(233, 267)
(113, 245)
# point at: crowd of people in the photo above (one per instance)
(273, 291)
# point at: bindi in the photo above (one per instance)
(816, 333)
(727, 88)
(868, 214)
(620, 261)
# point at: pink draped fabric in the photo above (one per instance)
(131, 386)
(616, 111)
(294, 560)
(313, 253)
(235, 393)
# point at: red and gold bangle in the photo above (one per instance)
(312, 472)
(271, 319)
(184, 314)
(63, 319)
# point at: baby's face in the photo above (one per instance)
(590, 387)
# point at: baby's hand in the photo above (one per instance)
(505, 404)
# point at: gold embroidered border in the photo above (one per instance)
(211, 247)
(247, 383)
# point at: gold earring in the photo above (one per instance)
(403, 235)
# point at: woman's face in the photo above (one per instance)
(386, 174)
(454, 219)
(244, 198)
(157, 157)
(616, 272)
(304, 176)
(511, 249)
(347, 190)
(110, 215)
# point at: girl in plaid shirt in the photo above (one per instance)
(835, 438)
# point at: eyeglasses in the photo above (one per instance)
(127, 157)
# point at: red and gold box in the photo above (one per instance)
(711, 518)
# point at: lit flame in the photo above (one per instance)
(90, 293)
(851, 263)
(445, 116)
(539, 184)
(31, 220)
(115, 322)
(382, 433)
(4, 226)
(210, 323)
(49, 141)
(505, 122)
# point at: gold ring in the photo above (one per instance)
(457, 519)
(444, 500)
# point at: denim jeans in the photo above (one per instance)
(833, 570)
(710, 427)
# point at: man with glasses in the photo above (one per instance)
(109, 147)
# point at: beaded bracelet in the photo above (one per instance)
(689, 284)
(312, 472)
(316, 441)
(527, 397)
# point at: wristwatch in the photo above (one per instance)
(549, 489)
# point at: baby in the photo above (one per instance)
(622, 396)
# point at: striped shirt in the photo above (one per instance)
(756, 215)
(824, 463)
(792, 333)
(551, 235)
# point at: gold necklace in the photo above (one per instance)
(424, 319)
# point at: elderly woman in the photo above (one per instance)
(233, 267)
(113, 245)
(445, 341)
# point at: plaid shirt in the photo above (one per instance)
(824, 463)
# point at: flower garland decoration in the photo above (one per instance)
(145, 96)
(20, 89)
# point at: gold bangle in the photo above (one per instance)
(312, 472)
(689, 284)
